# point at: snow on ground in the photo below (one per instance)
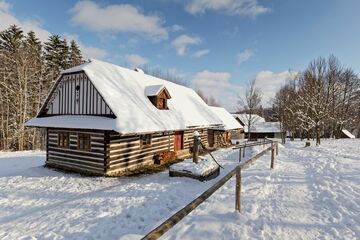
(202, 168)
(40, 203)
(313, 193)
(10, 165)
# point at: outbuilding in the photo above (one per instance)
(259, 128)
(230, 131)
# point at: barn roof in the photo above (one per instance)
(124, 90)
(258, 125)
(244, 118)
(227, 119)
(264, 127)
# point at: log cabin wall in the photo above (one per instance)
(76, 95)
(188, 137)
(211, 139)
(110, 153)
(125, 154)
(69, 157)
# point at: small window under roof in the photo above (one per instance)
(158, 95)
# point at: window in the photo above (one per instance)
(63, 140)
(158, 95)
(145, 140)
(84, 142)
(162, 103)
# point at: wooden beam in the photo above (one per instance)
(272, 157)
(238, 190)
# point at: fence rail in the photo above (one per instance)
(178, 216)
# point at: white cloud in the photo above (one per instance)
(135, 60)
(7, 19)
(176, 28)
(86, 50)
(117, 18)
(248, 8)
(182, 42)
(244, 56)
(227, 94)
(218, 86)
(93, 52)
(270, 82)
(201, 53)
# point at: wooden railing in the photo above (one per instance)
(178, 216)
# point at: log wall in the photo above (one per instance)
(73, 159)
(124, 154)
(188, 137)
(112, 154)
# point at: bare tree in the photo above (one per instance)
(166, 75)
(324, 100)
(251, 104)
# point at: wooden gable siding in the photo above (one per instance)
(124, 154)
(73, 159)
(67, 100)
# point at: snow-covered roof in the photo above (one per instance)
(264, 127)
(244, 118)
(348, 134)
(153, 90)
(227, 119)
(124, 91)
(74, 121)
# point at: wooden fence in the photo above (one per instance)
(178, 216)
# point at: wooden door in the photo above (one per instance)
(178, 141)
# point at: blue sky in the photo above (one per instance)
(215, 45)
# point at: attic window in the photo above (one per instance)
(158, 95)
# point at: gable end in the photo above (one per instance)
(74, 94)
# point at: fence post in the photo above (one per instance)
(272, 156)
(238, 190)
(244, 149)
(277, 149)
(239, 154)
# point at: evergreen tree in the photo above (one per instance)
(75, 56)
(11, 39)
(65, 54)
(33, 43)
(27, 71)
(56, 52)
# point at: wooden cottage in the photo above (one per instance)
(259, 127)
(226, 134)
(107, 120)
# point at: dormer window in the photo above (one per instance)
(158, 95)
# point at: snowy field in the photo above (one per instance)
(313, 193)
